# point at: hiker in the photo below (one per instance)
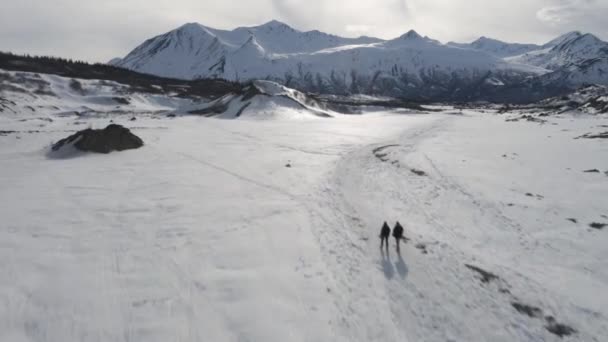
(385, 233)
(398, 233)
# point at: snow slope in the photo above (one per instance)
(43, 96)
(498, 48)
(572, 49)
(266, 230)
(24, 95)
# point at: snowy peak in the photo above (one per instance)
(276, 26)
(411, 65)
(582, 41)
(497, 48)
(411, 35)
(411, 38)
(575, 51)
(252, 48)
(564, 38)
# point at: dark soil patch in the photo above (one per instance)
(486, 276)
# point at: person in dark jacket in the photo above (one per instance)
(385, 233)
(398, 233)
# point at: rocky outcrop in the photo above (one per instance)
(112, 138)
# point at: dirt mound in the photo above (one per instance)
(112, 138)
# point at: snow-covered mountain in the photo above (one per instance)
(570, 49)
(572, 59)
(497, 47)
(410, 66)
(195, 51)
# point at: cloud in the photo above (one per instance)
(583, 15)
(566, 11)
(385, 18)
(358, 29)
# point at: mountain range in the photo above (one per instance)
(411, 66)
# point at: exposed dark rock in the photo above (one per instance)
(528, 118)
(558, 329)
(121, 100)
(112, 138)
(603, 135)
(381, 148)
(592, 171)
(382, 156)
(76, 86)
(418, 172)
(422, 248)
(486, 276)
(3, 133)
(598, 226)
(573, 220)
(529, 194)
(212, 110)
(529, 310)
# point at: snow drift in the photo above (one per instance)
(265, 100)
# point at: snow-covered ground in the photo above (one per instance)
(266, 230)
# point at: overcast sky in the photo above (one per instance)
(100, 30)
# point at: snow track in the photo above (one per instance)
(426, 292)
(267, 231)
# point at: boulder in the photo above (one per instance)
(112, 138)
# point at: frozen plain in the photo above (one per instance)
(205, 234)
